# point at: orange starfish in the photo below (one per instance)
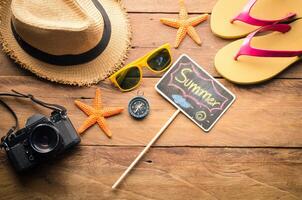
(97, 114)
(185, 25)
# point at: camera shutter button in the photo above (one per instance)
(31, 157)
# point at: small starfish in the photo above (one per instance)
(97, 114)
(184, 24)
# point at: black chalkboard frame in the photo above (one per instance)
(206, 130)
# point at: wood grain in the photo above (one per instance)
(195, 173)
(168, 6)
(264, 115)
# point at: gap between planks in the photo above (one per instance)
(193, 147)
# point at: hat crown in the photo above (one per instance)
(58, 27)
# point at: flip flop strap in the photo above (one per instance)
(245, 16)
(248, 50)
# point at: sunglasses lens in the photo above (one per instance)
(128, 78)
(159, 60)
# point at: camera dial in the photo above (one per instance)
(44, 138)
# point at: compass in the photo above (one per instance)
(138, 107)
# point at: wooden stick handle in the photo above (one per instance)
(145, 149)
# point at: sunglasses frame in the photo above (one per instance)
(140, 63)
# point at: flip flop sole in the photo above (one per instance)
(251, 70)
(225, 10)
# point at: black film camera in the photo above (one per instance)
(41, 139)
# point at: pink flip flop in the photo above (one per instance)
(229, 20)
(259, 58)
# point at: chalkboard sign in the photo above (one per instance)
(196, 93)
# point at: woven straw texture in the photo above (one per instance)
(86, 74)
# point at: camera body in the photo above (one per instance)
(41, 139)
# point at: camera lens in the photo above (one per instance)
(44, 138)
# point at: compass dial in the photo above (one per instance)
(138, 107)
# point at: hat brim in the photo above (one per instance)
(110, 60)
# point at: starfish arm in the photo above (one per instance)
(97, 102)
(110, 111)
(193, 34)
(183, 13)
(170, 22)
(88, 110)
(181, 33)
(194, 21)
(103, 125)
(87, 123)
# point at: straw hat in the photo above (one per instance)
(76, 42)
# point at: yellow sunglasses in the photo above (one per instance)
(130, 76)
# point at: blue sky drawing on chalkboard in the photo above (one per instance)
(181, 101)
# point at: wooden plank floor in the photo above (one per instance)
(254, 151)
